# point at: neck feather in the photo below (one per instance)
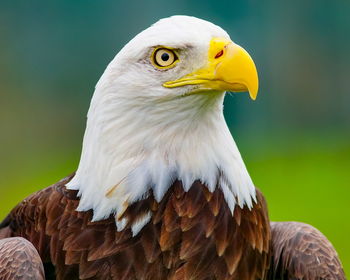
(130, 150)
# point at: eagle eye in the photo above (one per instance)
(164, 58)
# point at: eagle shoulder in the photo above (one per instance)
(19, 260)
(300, 251)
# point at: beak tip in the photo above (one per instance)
(253, 93)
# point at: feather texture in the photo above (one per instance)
(302, 252)
(19, 260)
(184, 239)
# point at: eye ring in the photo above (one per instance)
(164, 58)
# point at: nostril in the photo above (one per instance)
(220, 53)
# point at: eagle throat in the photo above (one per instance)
(134, 145)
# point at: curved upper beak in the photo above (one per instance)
(229, 68)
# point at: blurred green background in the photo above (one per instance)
(295, 138)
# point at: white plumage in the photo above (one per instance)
(141, 135)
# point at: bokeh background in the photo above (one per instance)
(295, 138)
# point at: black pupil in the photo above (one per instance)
(165, 57)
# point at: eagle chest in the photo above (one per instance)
(191, 235)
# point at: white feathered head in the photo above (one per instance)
(157, 116)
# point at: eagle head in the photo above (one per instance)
(156, 116)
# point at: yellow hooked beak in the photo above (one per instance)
(229, 68)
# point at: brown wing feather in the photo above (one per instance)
(191, 235)
(19, 260)
(299, 251)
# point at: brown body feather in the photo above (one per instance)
(299, 251)
(191, 235)
(19, 260)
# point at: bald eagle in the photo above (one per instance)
(161, 191)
